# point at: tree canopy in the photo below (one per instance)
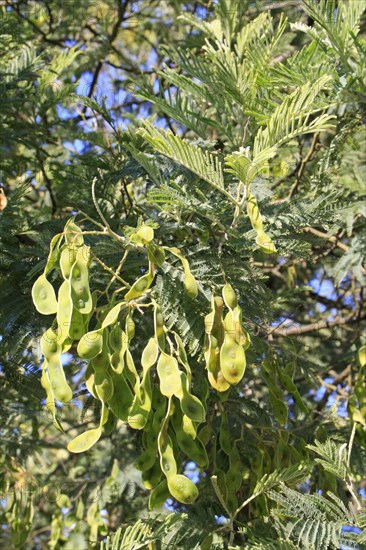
(182, 259)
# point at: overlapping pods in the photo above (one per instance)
(226, 341)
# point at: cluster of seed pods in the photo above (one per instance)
(151, 393)
(226, 341)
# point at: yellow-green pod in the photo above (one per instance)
(218, 381)
(79, 280)
(190, 284)
(159, 495)
(142, 284)
(65, 309)
(167, 460)
(229, 296)
(279, 408)
(190, 404)
(182, 489)
(156, 254)
(73, 234)
(254, 214)
(232, 361)
(84, 441)
(77, 326)
(122, 399)
(151, 477)
(130, 327)
(90, 345)
(146, 460)
(54, 252)
(51, 343)
(60, 388)
(103, 386)
(265, 243)
(146, 233)
(44, 297)
(169, 375)
(149, 354)
(189, 426)
(159, 327)
(67, 259)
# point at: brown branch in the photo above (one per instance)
(318, 325)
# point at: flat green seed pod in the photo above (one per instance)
(79, 280)
(139, 287)
(112, 315)
(65, 309)
(167, 460)
(156, 254)
(190, 284)
(60, 388)
(146, 460)
(169, 375)
(77, 326)
(73, 233)
(218, 381)
(151, 477)
(265, 243)
(254, 214)
(159, 495)
(182, 489)
(279, 409)
(229, 296)
(90, 344)
(44, 297)
(232, 361)
(84, 441)
(104, 386)
(67, 259)
(190, 404)
(122, 398)
(149, 354)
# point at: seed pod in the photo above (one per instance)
(167, 460)
(79, 280)
(151, 477)
(60, 388)
(279, 409)
(159, 495)
(67, 259)
(122, 399)
(104, 386)
(218, 381)
(64, 310)
(229, 296)
(182, 489)
(156, 254)
(169, 375)
(143, 235)
(44, 297)
(265, 243)
(84, 441)
(190, 404)
(142, 284)
(73, 234)
(253, 213)
(232, 361)
(190, 284)
(90, 344)
(149, 355)
(159, 327)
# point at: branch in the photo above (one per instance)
(318, 325)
